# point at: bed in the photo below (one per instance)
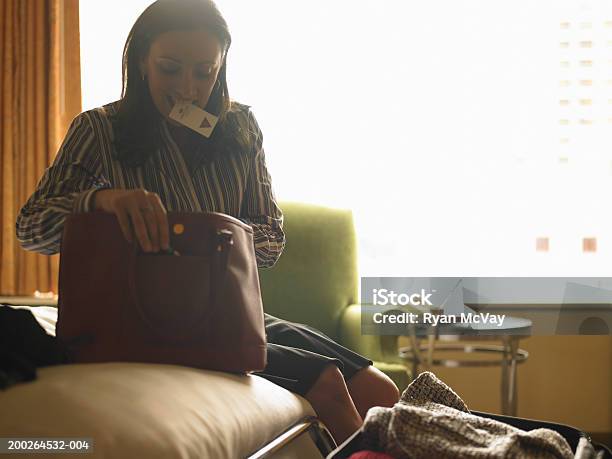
(132, 410)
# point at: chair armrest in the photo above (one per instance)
(375, 347)
(381, 349)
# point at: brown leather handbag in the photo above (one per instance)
(199, 307)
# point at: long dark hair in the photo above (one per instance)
(136, 123)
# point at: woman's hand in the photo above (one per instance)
(138, 211)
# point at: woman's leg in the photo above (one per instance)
(331, 401)
(371, 387)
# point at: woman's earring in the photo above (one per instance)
(143, 77)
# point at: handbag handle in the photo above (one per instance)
(220, 257)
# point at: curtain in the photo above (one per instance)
(40, 93)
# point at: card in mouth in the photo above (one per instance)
(194, 117)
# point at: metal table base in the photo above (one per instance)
(508, 357)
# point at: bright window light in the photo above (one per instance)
(470, 138)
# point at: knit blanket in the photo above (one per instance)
(432, 421)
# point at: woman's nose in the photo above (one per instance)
(187, 89)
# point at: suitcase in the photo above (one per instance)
(571, 434)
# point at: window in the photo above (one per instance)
(471, 138)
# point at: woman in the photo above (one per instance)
(131, 159)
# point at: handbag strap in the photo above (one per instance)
(223, 244)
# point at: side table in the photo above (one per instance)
(424, 350)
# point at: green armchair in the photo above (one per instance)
(315, 282)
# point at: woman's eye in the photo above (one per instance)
(203, 75)
(169, 69)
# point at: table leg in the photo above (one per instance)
(431, 344)
(505, 402)
(509, 388)
(416, 354)
(512, 389)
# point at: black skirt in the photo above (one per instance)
(298, 353)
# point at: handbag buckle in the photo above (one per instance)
(225, 238)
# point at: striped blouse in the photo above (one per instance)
(235, 184)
